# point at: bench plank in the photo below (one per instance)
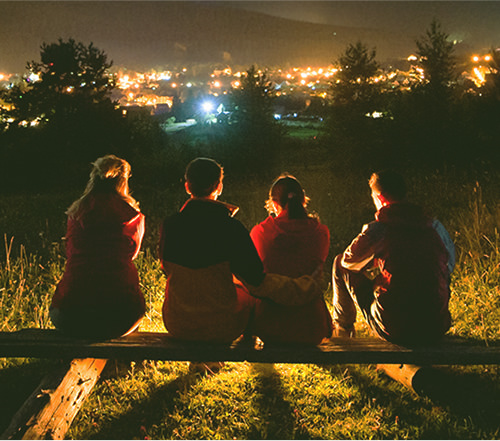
(49, 343)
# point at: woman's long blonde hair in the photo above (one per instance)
(109, 174)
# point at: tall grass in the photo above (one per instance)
(26, 287)
(476, 283)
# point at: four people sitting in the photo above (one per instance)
(223, 283)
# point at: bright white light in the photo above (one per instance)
(208, 106)
(34, 77)
(277, 116)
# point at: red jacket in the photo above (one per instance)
(292, 247)
(100, 248)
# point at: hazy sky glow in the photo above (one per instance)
(144, 34)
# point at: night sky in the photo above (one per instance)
(145, 35)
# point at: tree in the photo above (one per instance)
(354, 78)
(61, 116)
(436, 57)
(493, 76)
(252, 101)
(251, 129)
(70, 79)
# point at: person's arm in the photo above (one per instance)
(448, 243)
(247, 266)
(257, 236)
(362, 249)
(245, 261)
(324, 242)
(286, 291)
(134, 229)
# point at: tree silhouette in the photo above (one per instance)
(251, 129)
(252, 101)
(353, 81)
(493, 76)
(61, 116)
(70, 79)
(436, 57)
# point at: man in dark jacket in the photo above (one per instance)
(397, 270)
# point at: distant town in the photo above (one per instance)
(157, 91)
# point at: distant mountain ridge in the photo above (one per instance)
(145, 35)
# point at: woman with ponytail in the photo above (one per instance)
(293, 243)
(99, 295)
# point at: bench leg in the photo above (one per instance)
(403, 373)
(51, 408)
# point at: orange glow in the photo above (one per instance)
(479, 75)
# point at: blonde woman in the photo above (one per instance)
(99, 295)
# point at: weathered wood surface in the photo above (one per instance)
(47, 343)
(51, 408)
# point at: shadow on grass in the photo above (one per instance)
(276, 416)
(145, 413)
(274, 410)
(467, 393)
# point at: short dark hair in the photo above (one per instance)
(203, 176)
(389, 184)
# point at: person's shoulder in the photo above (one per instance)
(110, 206)
(266, 223)
(263, 226)
(315, 221)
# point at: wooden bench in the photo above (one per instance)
(49, 411)
(48, 343)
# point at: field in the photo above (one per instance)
(156, 400)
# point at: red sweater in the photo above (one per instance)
(292, 247)
(100, 248)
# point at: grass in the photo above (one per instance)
(158, 400)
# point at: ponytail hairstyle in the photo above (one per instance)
(286, 193)
(109, 175)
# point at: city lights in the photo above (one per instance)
(158, 89)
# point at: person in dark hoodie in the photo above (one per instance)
(293, 243)
(397, 270)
